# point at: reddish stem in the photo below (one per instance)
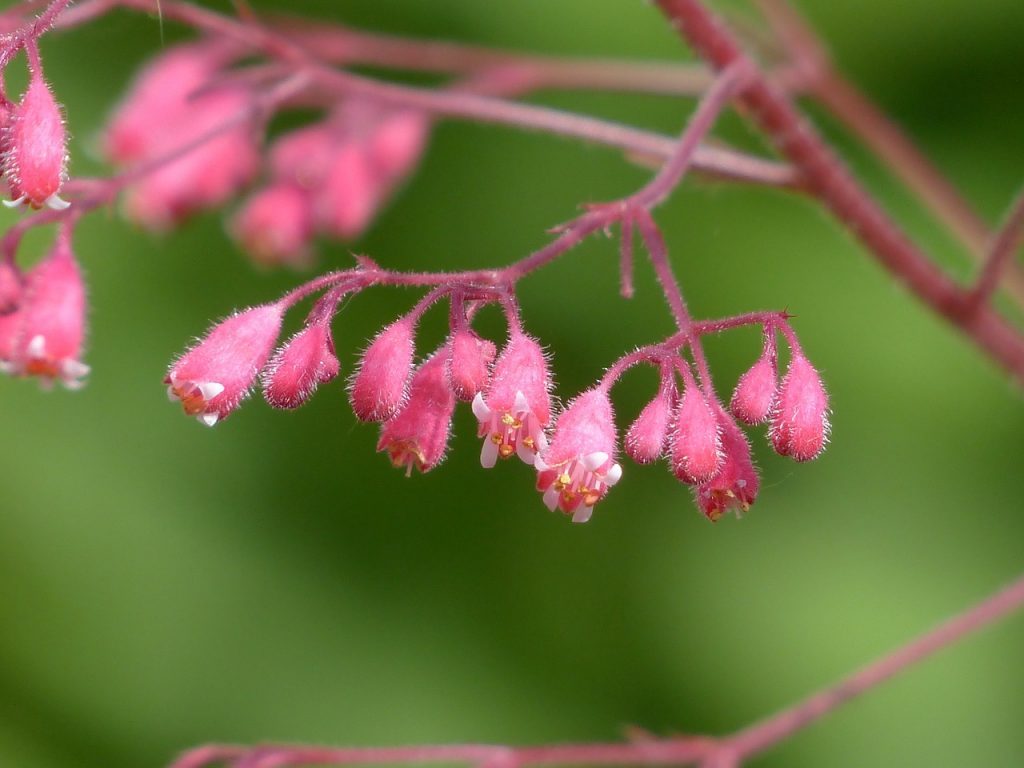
(1006, 242)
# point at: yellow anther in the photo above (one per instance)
(506, 450)
(508, 420)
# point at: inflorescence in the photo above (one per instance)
(189, 137)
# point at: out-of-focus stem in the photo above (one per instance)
(999, 256)
(883, 136)
(828, 179)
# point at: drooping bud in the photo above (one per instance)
(36, 156)
(275, 225)
(215, 375)
(157, 99)
(646, 438)
(736, 484)
(417, 436)
(516, 407)
(206, 175)
(576, 470)
(379, 385)
(469, 363)
(348, 198)
(396, 144)
(696, 440)
(755, 392)
(10, 287)
(305, 361)
(800, 424)
(50, 321)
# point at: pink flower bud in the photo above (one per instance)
(800, 420)
(10, 323)
(215, 375)
(516, 406)
(736, 484)
(578, 468)
(302, 157)
(207, 175)
(350, 194)
(755, 392)
(379, 386)
(300, 366)
(158, 99)
(397, 143)
(35, 161)
(275, 225)
(50, 324)
(696, 442)
(417, 436)
(469, 363)
(10, 287)
(645, 440)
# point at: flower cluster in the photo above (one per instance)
(197, 119)
(189, 135)
(574, 455)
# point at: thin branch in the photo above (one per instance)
(884, 137)
(760, 736)
(727, 751)
(828, 179)
(1006, 242)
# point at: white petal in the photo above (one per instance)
(171, 394)
(594, 460)
(525, 453)
(14, 203)
(36, 347)
(582, 514)
(613, 475)
(57, 203)
(209, 389)
(551, 498)
(72, 385)
(209, 419)
(488, 453)
(6, 366)
(480, 409)
(75, 369)
(521, 404)
(539, 464)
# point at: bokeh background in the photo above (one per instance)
(163, 585)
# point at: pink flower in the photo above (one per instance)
(206, 175)
(302, 157)
(379, 386)
(167, 111)
(350, 194)
(215, 375)
(396, 144)
(49, 326)
(736, 484)
(696, 440)
(577, 469)
(10, 287)
(800, 425)
(36, 156)
(469, 363)
(275, 225)
(158, 99)
(300, 366)
(755, 392)
(646, 438)
(417, 436)
(516, 407)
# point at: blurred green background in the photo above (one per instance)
(165, 585)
